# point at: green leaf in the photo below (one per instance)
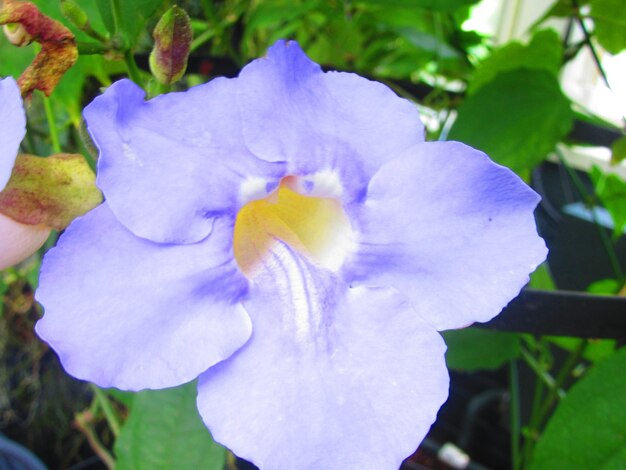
(66, 98)
(559, 9)
(588, 428)
(541, 278)
(604, 287)
(428, 42)
(517, 118)
(435, 5)
(543, 52)
(134, 16)
(340, 46)
(618, 151)
(272, 13)
(596, 350)
(611, 189)
(164, 431)
(609, 17)
(470, 349)
(13, 59)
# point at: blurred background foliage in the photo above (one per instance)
(508, 95)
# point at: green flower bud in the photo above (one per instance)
(172, 41)
(75, 14)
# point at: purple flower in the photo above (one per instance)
(290, 239)
(12, 127)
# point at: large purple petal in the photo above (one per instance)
(451, 230)
(168, 166)
(332, 377)
(12, 127)
(317, 121)
(125, 312)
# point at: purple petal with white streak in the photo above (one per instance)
(333, 377)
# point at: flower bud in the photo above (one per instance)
(172, 41)
(75, 14)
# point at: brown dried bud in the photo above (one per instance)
(58, 46)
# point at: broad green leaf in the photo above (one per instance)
(596, 350)
(340, 46)
(605, 287)
(414, 37)
(428, 42)
(435, 5)
(134, 16)
(609, 17)
(13, 59)
(559, 9)
(66, 98)
(543, 52)
(470, 349)
(164, 431)
(618, 151)
(588, 428)
(272, 13)
(517, 118)
(541, 278)
(401, 62)
(611, 190)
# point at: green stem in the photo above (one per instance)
(515, 415)
(95, 34)
(201, 39)
(133, 71)
(91, 48)
(592, 49)
(107, 409)
(116, 9)
(547, 379)
(52, 126)
(561, 378)
(129, 59)
(532, 431)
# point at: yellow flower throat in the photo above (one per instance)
(314, 226)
